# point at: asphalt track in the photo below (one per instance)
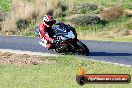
(114, 52)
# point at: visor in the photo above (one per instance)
(49, 23)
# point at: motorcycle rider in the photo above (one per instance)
(46, 32)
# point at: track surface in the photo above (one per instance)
(115, 52)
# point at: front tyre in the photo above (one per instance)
(82, 49)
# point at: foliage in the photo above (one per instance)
(63, 6)
(29, 31)
(86, 20)
(5, 5)
(22, 24)
(127, 5)
(111, 13)
(28, 12)
(84, 8)
(90, 28)
(129, 26)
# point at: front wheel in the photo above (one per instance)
(82, 49)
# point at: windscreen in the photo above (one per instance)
(59, 29)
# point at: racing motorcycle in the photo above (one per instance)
(65, 40)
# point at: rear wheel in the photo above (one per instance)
(82, 49)
(58, 50)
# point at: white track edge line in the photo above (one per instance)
(27, 52)
(48, 54)
(111, 63)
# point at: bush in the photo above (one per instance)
(111, 13)
(127, 5)
(63, 6)
(83, 8)
(5, 5)
(61, 11)
(129, 26)
(20, 10)
(24, 12)
(90, 28)
(22, 24)
(86, 20)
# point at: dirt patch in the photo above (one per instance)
(128, 12)
(22, 60)
(73, 16)
(111, 13)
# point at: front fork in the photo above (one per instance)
(73, 46)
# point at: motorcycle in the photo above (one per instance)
(65, 40)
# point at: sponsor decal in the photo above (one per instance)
(83, 78)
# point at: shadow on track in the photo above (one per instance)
(109, 54)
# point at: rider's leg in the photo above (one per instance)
(49, 46)
(43, 42)
(49, 40)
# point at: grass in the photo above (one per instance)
(105, 3)
(5, 5)
(115, 30)
(119, 39)
(58, 75)
(98, 38)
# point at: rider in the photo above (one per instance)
(46, 31)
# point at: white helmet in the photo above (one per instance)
(47, 19)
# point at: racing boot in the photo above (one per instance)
(43, 43)
(50, 46)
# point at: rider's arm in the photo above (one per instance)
(43, 31)
(44, 34)
(57, 22)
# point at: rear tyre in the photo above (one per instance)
(58, 50)
(82, 49)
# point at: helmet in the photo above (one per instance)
(47, 19)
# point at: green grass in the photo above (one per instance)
(5, 5)
(118, 39)
(129, 39)
(118, 26)
(27, 32)
(123, 22)
(61, 74)
(105, 3)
